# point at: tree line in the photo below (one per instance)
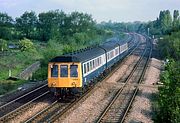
(164, 24)
(47, 25)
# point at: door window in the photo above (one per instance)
(74, 71)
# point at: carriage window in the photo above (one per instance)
(93, 64)
(64, 71)
(85, 68)
(54, 71)
(100, 60)
(88, 67)
(117, 51)
(74, 71)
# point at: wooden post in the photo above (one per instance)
(9, 72)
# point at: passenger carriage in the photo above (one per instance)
(79, 69)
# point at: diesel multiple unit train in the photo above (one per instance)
(76, 71)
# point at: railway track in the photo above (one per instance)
(54, 110)
(57, 109)
(137, 88)
(120, 104)
(20, 92)
(22, 103)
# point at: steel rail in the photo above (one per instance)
(122, 88)
(137, 88)
(2, 106)
(5, 117)
(41, 112)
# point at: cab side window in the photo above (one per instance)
(54, 71)
(64, 71)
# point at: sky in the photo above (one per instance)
(101, 10)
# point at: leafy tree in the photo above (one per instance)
(176, 20)
(5, 19)
(50, 23)
(81, 22)
(3, 45)
(27, 24)
(169, 46)
(26, 45)
(165, 20)
(6, 24)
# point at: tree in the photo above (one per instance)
(26, 45)
(27, 24)
(6, 24)
(81, 22)
(51, 24)
(3, 45)
(165, 20)
(176, 19)
(5, 19)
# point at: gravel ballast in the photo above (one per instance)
(92, 107)
(141, 110)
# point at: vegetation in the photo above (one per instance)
(49, 34)
(3, 45)
(169, 94)
(42, 37)
(26, 45)
(167, 29)
(169, 46)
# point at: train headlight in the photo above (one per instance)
(53, 84)
(73, 84)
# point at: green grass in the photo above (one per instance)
(10, 85)
(17, 62)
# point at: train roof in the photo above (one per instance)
(64, 59)
(82, 56)
(90, 53)
(109, 45)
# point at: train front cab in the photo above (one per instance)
(64, 76)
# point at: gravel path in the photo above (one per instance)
(141, 110)
(90, 109)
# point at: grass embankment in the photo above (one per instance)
(16, 61)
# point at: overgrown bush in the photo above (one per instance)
(169, 46)
(3, 45)
(26, 45)
(9, 85)
(169, 94)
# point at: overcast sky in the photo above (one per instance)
(101, 10)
